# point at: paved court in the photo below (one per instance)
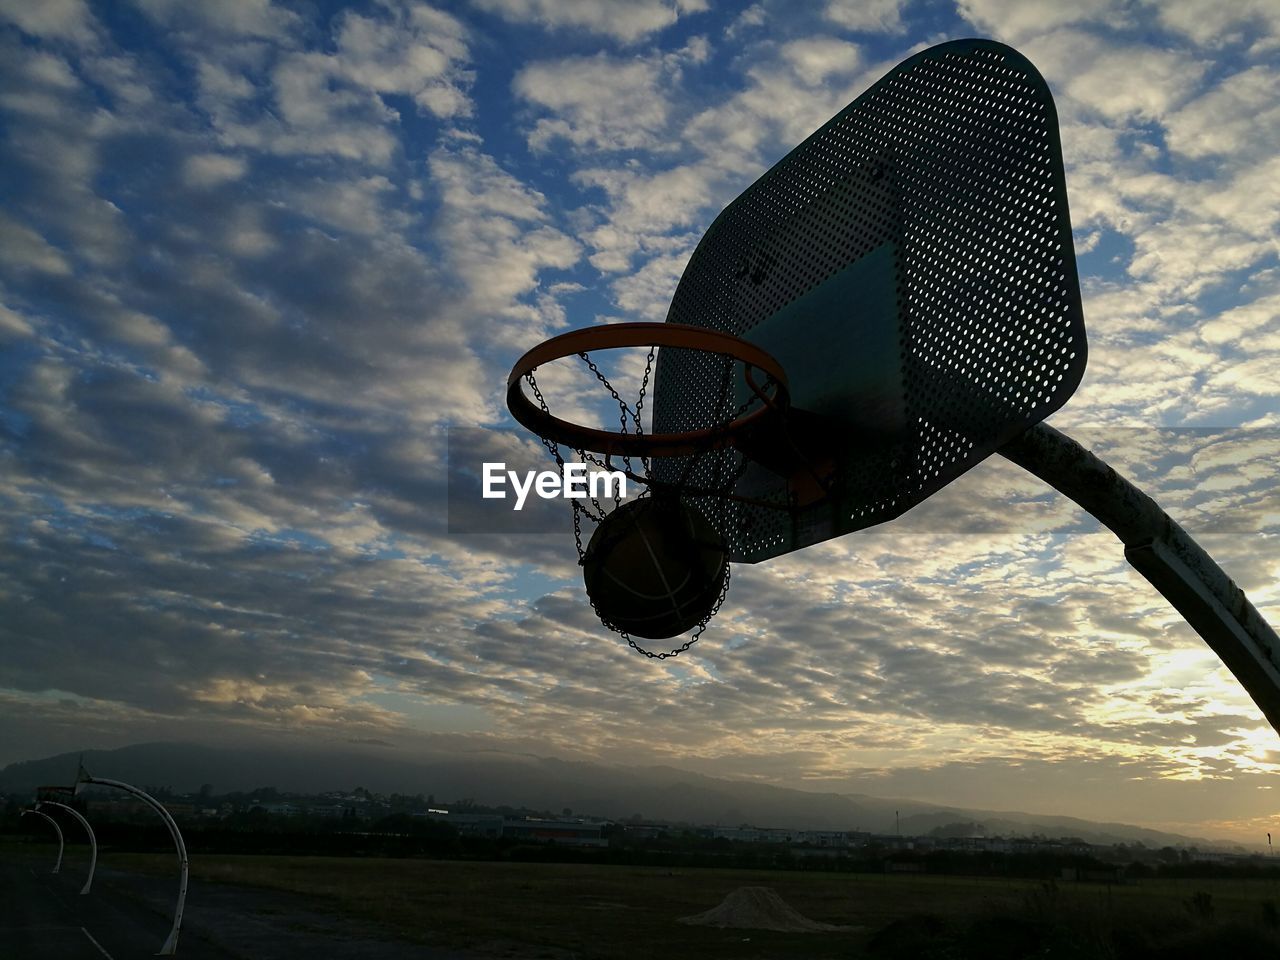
(127, 917)
(44, 916)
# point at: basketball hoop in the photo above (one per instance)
(655, 568)
(638, 444)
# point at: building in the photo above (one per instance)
(573, 833)
(468, 824)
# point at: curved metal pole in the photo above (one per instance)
(93, 840)
(170, 946)
(61, 846)
(1166, 555)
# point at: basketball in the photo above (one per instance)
(654, 568)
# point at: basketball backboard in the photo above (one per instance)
(911, 266)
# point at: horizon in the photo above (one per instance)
(265, 267)
(916, 808)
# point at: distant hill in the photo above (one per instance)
(544, 783)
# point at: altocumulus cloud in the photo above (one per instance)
(256, 262)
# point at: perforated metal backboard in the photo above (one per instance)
(911, 265)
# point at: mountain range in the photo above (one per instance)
(496, 778)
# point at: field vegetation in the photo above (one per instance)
(628, 912)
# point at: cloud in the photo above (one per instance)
(495, 230)
(233, 651)
(599, 103)
(604, 103)
(1236, 119)
(868, 16)
(1016, 21)
(336, 103)
(319, 116)
(753, 16)
(260, 19)
(624, 20)
(1259, 319)
(21, 248)
(68, 20)
(52, 152)
(1099, 74)
(786, 95)
(1184, 231)
(221, 86)
(1215, 24)
(644, 208)
(418, 52)
(646, 292)
(45, 70)
(213, 169)
(784, 98)
(816, 59)
(361, 205)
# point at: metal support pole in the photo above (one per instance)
(61, 846)
(93, 840)
(170, 946)
(1166, 555)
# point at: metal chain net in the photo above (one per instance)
(630, 422)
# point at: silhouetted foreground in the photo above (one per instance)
(1052, 923)
(412, 882)
(621, 912)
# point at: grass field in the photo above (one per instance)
(598, 912)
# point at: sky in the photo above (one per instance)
(260, 260)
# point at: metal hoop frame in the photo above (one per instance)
(644, 334)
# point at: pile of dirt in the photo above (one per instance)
(758, 908)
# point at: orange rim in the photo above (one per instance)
(621, 335)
